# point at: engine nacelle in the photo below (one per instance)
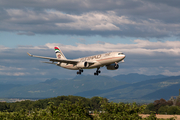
(82, 64)
(112, 66)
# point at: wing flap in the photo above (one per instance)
(48, 62)
(64, 61)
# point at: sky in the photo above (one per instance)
(146, 31)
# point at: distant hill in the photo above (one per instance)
(137, 90)
(134, 77)
(147, 89)
(5, 87)
(55, 87)
(166, 92)
(50, 80)
(104, 86)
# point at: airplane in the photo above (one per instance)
(110, 60)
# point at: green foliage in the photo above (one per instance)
(77, 111)
(3, 106)
(92, 104)
(65, 111)
(161, 102)
(163, 109)
(96, 102)
(152, 116)
(172, 110)
(121, 111)
(150, 107)
(75, 108)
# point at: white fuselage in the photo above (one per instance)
(99, 60)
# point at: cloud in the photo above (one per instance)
(26, 33)
(129, 18)
(12, 71)
(139, 47)
(10, 68)
(3, 48)
(70, 6)
(169, 73)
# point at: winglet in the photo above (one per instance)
(29, 54)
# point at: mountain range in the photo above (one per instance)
(121, 87)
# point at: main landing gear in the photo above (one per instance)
(80, 71)
(97, 71)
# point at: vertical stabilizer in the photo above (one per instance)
(59, 53)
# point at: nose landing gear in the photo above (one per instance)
(97, 71)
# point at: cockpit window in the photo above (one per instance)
(120, 53)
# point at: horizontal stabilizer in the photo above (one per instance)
(29, 54)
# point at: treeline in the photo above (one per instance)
(162, 106)
(93, 103)
(75, 107)
(72, 108)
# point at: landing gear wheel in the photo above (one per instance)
(80, 71)
(95, 73)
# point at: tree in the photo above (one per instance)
(150, 107)
(172, 110)
(163, 109)
(3, 106)
(121, 111)
(161, 102)
(96, 102)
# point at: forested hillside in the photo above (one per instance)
(104, 86)
(134, 77)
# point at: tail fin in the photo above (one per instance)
(59, 54)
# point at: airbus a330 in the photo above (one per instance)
(110, 60)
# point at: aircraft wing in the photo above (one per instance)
(58, 60)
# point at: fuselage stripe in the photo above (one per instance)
(71, 66)
(108, 58)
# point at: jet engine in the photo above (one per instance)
(112, 66)
(82, 64)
